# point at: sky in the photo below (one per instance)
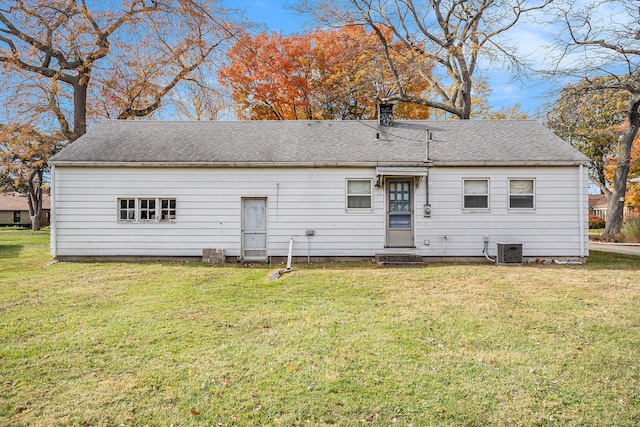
(532, 94)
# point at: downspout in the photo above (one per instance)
(582, 188)
(53, 246)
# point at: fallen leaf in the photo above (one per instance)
(168, 387)
(195, 412)
(291, 367)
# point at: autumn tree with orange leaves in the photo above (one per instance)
(24, 152)
(339, 74)
(67, 63)
(593, 117)
(454, 37)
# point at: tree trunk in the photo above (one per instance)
(80, 106)
(35, 221)
(615, 209)
(35, 199)
(466, 100)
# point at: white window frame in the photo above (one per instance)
(532, 194)
(169, 209)
(152, 213)
(155, 214)
(347, 195)
(487, 195)
(128, 209)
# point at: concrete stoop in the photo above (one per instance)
(399, 260)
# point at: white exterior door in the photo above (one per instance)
(254, 229)
(399, 221)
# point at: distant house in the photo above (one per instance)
(14, 209)
(439, 190)
(598, 206)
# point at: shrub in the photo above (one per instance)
(596, 222)
(631, 229)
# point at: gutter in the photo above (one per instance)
(53, 242)
(332, 164)
(313, 164)
(493, 163)
(582, 191)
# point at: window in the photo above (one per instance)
(147, 210)
(127, 210)
(167, 209)
(16, 216)
(521, 194)
(476, 194)
(358, 194)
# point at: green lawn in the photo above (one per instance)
(187, 344)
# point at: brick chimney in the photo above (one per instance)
(385, 114)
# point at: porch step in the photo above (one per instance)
(399, 260)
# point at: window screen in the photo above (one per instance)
(521, 194)
(358, 194)
(476, 194)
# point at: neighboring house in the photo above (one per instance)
(14, 209)
(339, 189)
(598, 206)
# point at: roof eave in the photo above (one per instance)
(511, 163)
(330, 164)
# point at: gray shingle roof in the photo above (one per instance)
(472, 142)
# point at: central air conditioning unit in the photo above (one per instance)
(509, 253)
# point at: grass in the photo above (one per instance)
(186, 344)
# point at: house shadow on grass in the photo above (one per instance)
(599, 260)
(10, 251)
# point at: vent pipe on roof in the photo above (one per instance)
(385, 114)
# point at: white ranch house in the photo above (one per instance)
(437, 190)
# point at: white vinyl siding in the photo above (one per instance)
(209, 211)
(552, 229)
